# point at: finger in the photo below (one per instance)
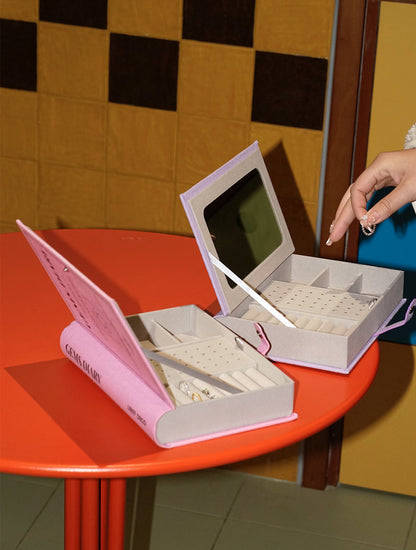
(398, 197)
(342, 222)
(375, 177)
(344, 216)
(345, 199)
(360, 195)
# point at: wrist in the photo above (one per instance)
(410, 143)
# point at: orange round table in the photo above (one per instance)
(55, 422)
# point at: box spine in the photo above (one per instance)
(119, 382)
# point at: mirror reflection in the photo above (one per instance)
(242, 224)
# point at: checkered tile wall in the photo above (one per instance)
(111, 108)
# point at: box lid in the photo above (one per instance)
(236, 217)
(96, 311)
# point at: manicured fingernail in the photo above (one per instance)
(368, 219)
(328, 242)
(373, 217)
(364, 221)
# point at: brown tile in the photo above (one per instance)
(20, 10)
(72, 132)
(289, 90)
(222, 21)
(141, 141)
(143, 18)
(18, 44)
(301, 220)
(215, 80)
(72, 61)
(18, 124)
(311, 211)
(18, 191)
(303, 27)
(204, 144)
(143, 71)
(71, 197)
(76, 12)
(139, 203)
(293, 158)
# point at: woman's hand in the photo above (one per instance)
(396, 169)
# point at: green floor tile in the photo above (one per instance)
(369, 517)
(206, 492)
(183, 530)
(239, 535)
(222, 510)
(411, 537)
(48, 531)
(22, 500)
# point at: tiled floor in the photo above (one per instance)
(223, 510)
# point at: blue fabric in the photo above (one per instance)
(394, 245)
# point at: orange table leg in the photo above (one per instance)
(90, 519)
(104, 487)
(72, 514)
(95, 514)
(116, 514)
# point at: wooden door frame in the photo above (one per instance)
(349, 124)
(349, 120)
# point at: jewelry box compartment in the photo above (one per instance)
(192, 338)
(336, 307)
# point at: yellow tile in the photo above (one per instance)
(18, 138)
(303, 27)
(72, 132)
(18, 124)
(181, 225)
(141, 141)
(18, 191)
(215, 80)
(20, 10)
(72, 61)
(394, 83)
(8, 227)
(139, 203)
(71, 197)
(281, 464)
(378, 448)
(160, 19)
(19, 103)
(293, 158)
(204, 144)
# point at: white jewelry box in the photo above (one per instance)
(336, 309)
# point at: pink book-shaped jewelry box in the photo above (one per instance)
(178, 373)
(313, 311)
